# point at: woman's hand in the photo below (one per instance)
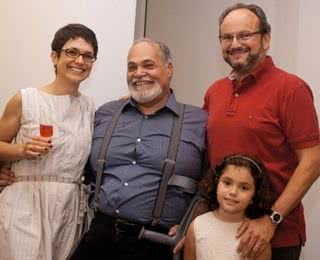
(36, 147)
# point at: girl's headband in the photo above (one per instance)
(247, 159)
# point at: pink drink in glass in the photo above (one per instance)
(46, 130)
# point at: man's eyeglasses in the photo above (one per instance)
(241, 37)
(75, 53)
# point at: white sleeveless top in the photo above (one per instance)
(39, 219)
(215, 239)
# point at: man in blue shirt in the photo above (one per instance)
(137, 149)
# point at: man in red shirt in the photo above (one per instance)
(266, 112)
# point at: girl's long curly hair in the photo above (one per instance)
(263, 198)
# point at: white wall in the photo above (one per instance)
(27, 28)
(308, 68)
(190, 28)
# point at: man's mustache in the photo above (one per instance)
(237, 50)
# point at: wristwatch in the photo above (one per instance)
(275, 217)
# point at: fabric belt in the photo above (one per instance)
(83, 208)
(48, 178)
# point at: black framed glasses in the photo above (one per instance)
(75, 53)
(241, 37)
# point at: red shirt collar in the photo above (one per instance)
(254, 75)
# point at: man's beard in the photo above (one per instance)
(246, 66)
(143, 94)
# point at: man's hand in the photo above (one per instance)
(173, 230)
(6, 176)
(180, 244)
(254, 236)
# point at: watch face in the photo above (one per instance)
(276, 217)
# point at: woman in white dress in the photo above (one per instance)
(238, 189)
(40, 212)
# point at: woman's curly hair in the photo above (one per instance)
(263, 198)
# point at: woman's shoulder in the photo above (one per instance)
(88, 100)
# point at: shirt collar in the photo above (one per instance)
(254, 76)
(171, 103)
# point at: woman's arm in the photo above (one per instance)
(9, 127)
(190, 245)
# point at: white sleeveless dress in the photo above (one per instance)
(215, 239)
(39, 219)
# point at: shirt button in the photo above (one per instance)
(146, 117)
(117, 211)
(138, 140)
(134, 162)
(126, 184)
(236, 94)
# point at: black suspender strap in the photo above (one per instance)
(103, 151)
(168, 164)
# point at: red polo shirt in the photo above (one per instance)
(270, 114)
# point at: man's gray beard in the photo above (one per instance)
(244, 67)
(145, 95)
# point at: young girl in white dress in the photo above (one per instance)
(40, 212)
(238, 189)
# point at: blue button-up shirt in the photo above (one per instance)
(138, 146)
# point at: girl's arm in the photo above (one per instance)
(190, 244)
(9, 127)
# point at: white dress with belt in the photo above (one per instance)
(40, 213)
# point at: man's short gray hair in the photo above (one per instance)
(164, 49)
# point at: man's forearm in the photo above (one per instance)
(303, 177)
(4, 163)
